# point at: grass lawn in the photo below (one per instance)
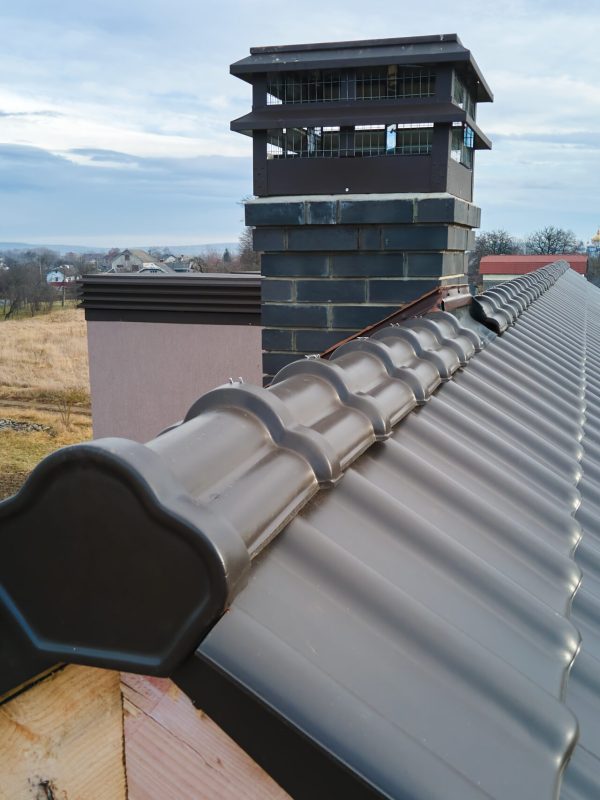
(43, 359)
(21, 450)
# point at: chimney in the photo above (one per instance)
(363, 177)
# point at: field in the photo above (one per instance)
(44, 391)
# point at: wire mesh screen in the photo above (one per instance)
(361, 141)
(373, 83)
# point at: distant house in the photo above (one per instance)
(155, 268)
(497, 269)
(55, 277)
(131, 261)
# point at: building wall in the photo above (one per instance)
(511, 266)
(145, 376)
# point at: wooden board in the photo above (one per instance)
(175, 752)
(62, 739)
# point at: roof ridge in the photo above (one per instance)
(218, 487)
(500, 306)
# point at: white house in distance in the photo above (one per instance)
(131, 261)
(55, 277)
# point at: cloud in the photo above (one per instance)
(131, 199)
(566, 138)
(5, 114)
(129, 107)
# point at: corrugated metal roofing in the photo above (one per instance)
(416, 621)
(415, 523)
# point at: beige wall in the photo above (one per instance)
(144, 375)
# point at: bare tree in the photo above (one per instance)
(198, 264)
(249, 260)
(491, 243)
(495, 243)
(551, 240)
(22, 286)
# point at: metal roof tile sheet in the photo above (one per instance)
(428, 627)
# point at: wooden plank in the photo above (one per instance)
(175, 752)
(63, 738)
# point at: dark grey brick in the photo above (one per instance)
(398, 291)
(462, 212)
(331, 291)
(375, 211)
(268, 239)
(443, 209)
(273, 362)
(367, 264)
(436, 209)
(289, 315)
(434, 264)
(358, 317)
(276, 339)
(317, 341)
(294, 265)
(415, 237)
(291, 213)
(474, 216)
(369, 238)
(321, 212)
(458, 238)
(273, 289)
(323, 238)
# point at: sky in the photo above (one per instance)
(114, 117)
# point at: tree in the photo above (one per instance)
(491, 243)
(249, 259)
(551, 240)
(21, 285)
(495, 243)
(226, 256)
(198, 264)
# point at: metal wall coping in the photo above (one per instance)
(210, 298)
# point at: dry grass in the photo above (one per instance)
(20, 451)
(43, 357)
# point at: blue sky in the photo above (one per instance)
(114, 117)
